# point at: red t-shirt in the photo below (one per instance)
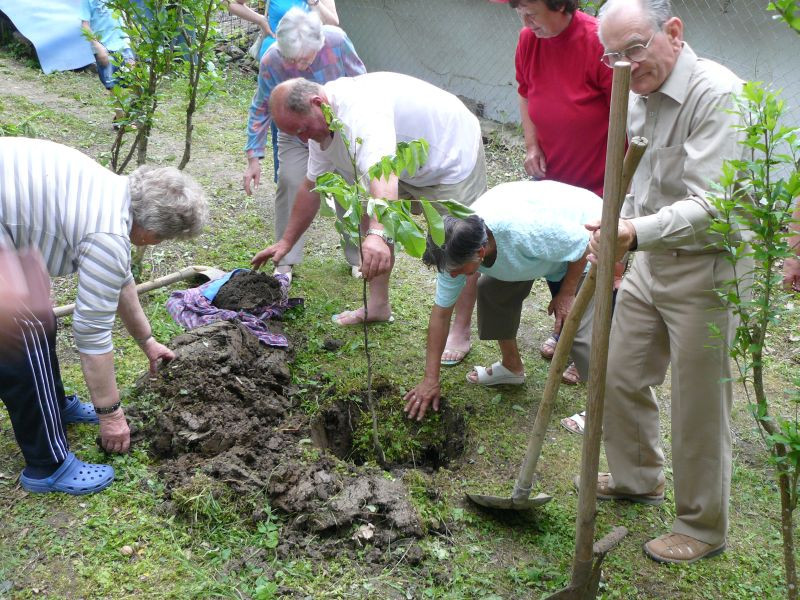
(569, 94)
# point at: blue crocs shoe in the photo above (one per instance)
(78, 412)
(73, 477)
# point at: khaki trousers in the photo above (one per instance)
(662, 316)
(292, 169)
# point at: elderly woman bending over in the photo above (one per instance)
(81, 218)
(520, 232)
(315, 52)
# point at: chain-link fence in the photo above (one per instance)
(467, 46)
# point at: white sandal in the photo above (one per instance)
(499, 376)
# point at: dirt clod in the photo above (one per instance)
(248, 290)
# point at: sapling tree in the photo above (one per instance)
(395, 216)
(170, 40)
(756, 194)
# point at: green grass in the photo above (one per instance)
(59, 546)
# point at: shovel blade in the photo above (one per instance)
(498, 503)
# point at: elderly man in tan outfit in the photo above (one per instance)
(664, 307)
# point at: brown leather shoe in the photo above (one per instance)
(605, 491)
(680, 549)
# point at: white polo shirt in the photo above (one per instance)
(383, 109)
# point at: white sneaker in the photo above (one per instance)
(356, 272)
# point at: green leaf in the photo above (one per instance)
(435, 222)
(455, 208)
(411, 238)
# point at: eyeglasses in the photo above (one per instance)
(635, 53)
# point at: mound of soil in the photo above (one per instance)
(248, 290)
(226, 414)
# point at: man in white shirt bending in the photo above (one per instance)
(382, 109)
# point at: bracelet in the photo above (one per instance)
(107, 410)
(381, 234)
(312, 2)
(144, 339)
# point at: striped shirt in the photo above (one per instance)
(77, 213)
(337, 59)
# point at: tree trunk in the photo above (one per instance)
(787, 526)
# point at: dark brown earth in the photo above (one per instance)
(248, 290)
(223, 411)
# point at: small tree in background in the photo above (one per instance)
(169, 39)
(757, 193)
(394, 215)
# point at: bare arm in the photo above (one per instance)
(135, 321)
(327, 11)
(791, 266)
(561, 303)
(306, 206)
(427, 391)
(98, 372)
(97, 48)
(240, 9)
(535, 163)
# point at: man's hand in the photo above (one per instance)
(626, 239)
(560, 305)
(377, 257)
(275, 252)
(420, 398)
(156, 352)
(791, 274)
(115, 435)
(252, 176)
(535, 163)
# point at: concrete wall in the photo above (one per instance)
(467, 46)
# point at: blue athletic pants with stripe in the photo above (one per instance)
(31, 389)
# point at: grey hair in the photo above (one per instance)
(299, 32)
(462, 240)
(300, 92)
(167, 202)
(657, 12)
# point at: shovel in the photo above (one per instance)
(520, 498)
(589, 557)
(200, 272)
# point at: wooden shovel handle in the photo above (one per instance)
(559, 362)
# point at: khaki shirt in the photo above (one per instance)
(690, 134)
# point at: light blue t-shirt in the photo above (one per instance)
(104, 25)
(538, 227)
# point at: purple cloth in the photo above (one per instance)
(191, 309)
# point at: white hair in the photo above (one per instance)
(657, 12)
(299, 32)
(167, 202)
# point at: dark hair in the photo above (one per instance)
(568, 6)
(462, 240)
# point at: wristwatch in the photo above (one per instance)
(381, 234)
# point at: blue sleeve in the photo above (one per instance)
(86, 11)
(448, 288)
(259, 119)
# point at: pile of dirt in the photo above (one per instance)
(248, 290)
(226, 414)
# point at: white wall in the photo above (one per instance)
(467, 46)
